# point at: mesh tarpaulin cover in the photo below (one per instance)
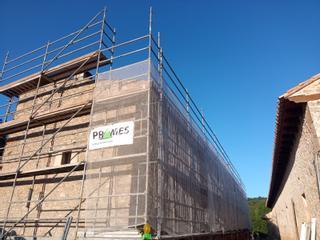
(169, 176)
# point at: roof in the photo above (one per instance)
(63, 70)
(290, 113)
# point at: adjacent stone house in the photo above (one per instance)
(294, 188)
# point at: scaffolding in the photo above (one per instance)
(174, 174)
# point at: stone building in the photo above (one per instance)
(35, 158)
(294, 188)
(98, 142)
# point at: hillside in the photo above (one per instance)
(257, 211)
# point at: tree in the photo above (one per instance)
(257, 211)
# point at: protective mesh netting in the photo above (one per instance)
(169, 175)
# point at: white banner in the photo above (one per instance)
(111, 135)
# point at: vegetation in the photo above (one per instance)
(257, 212)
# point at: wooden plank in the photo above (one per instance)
(43, 171)
(56, 73)
(305, 98)
(301, 86)
(114, 161)
(45, 118)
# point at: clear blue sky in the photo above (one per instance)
(235, 56)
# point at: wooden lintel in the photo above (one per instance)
(304, 98)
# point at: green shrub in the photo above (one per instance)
(257, 211)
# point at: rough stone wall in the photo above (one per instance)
(122, 173)
(75, 92)
(198, 192)
(299, 200)
(189, 190)
(119, 170)
(314, 107)
(74, 136)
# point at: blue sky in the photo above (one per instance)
(236, 57)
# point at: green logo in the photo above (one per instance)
(107, 134)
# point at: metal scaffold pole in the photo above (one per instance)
(25, 138)
(160, 137)
(6, 58)
(148, 116)
(100, 50)
(34, 110)
(168, 170)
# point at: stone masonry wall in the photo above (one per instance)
(127, 197)
(65, 199)
(299, 200)
(63, 202)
